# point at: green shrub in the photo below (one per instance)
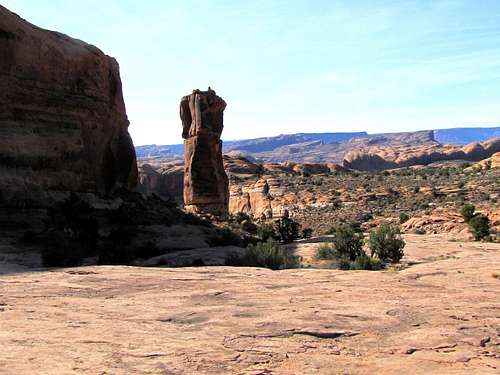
(287, 230)
(266, 231)
(307, 233)
(403, 218)
(386, 243)
(468, 212)
(267, 254)
(326, 250)
(364, 262)
(240, 217)
(344, 264)
(480, 227)
(249, 226)
(348, 241)
(225, 237)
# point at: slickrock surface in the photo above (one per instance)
(63, 125)
(206, 187)
(439, 316)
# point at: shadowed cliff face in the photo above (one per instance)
(63, 122)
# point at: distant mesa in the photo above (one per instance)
(327, 147)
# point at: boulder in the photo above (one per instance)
(62, 118)
(206, 186)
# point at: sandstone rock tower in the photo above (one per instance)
(206, 187)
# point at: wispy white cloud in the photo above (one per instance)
(287, 66)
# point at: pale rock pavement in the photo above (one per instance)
(441, 315)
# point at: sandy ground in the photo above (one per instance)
(439, 316)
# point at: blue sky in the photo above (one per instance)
(294, 66)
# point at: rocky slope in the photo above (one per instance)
(378, 158)
(492, 162)
(319, 195)
(436, 317)
(253, 187)
(63, 121)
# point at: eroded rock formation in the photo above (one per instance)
(380, 158)
(491, 162)
(253, 199)
(62, 117)
(205, 181)
(166, 180)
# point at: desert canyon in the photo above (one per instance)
(117, 259)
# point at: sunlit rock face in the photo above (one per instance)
(380, 158)
(206, 187)
(253, 199)
(63, 122)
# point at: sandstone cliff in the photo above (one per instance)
(62, 117)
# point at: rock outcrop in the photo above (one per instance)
(62, 117)
(253, 199)
(241, 167)
(167, 180)
(491, 162)
(206, 187)
(381, 158)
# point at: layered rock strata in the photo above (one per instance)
(63, 123)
